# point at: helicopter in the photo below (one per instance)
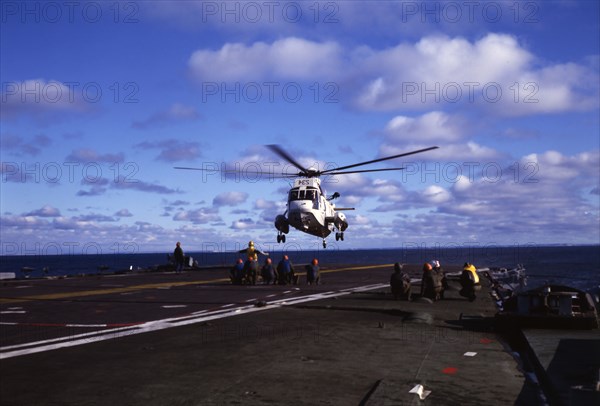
(308, 208)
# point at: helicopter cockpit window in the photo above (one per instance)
(304, 194)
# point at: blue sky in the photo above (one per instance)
(100, 100)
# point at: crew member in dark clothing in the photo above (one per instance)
(268, 272)
(236, 273)
(440, 276)
(250, 271)
(285, 271)
(178, 257)
(400, 283)
(251, 266)
(431, 286)
(312, 272)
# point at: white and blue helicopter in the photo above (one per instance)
(308, 208)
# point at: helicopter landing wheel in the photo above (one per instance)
(337, 236)
(280, 238)
(324, 244)
(342, 236)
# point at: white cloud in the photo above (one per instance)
(230, 199)
(450, 132)
(198, 216)
(495, 73)
(544, 194)
(44, 100)
(123, 213)
(361, 220)
(373, 92)
(243, 224)
(290, 58)
(435, 194)
(387, 190)
(262, 204)
(22, 223)
(462, 183)
(429, 127)
(554, 167)
(45, 211)
(71, 223)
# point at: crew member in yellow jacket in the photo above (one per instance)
(252, 252)
(469, 280)
(471, 268)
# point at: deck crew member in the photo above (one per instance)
(431, 286)
(469, 281)
(285, 271)
(400, 283)
(252, 252)
(250, 271)
(236, 273)
(312, 272)
(178, 257)
(268, 272)
(440, 276)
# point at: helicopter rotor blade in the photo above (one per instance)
(364, 171)
(256, 176)
(186, 168)
(230, 172)
(283, 154)
(305, 172)
(378, 160)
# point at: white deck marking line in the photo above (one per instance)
(78, 325)
(199, 312)
(58, 339)
(156, 325)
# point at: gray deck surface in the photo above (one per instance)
(360, 347)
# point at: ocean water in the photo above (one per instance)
(577, 266)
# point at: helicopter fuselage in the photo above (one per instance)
(309, 211)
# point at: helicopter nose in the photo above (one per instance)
(305, 221)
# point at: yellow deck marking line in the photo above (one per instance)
(97, 292)
(67, 295)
